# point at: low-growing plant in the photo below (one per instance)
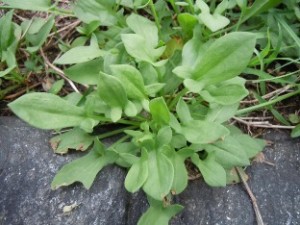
(167, 74)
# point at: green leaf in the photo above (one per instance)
(183, 111)
(159, 111)
(137, 47)
(289, 30)
(38, 38)
(219, 62)
(203, 132)
(213, 21)
(132, 80)
(221, 113)
(158, 185)
(36, 5)
(212, 172)
(171, 81)
(193, 85)
(142, 45)
(294, 118)
(187, 22)
(88, 29)
(256, 8)
(296, 131)
(174, 123)
(229, 153)
(134, 3)
(194, 49)
(57, 86)
(164, 136)
(95, 10)
(7, 71)
(143, 27)
(81, 54)
(180, 180)
(85, 73)
(138, 174)
(7, 28)
(83, 170)
(250, 145)
(115, 113)
(47, 111)
(131, 109)
(127, 152)
(74, 139)
(224, 94)
(88, 124)
(152, 89)
(178, 141)
(215, 62)
(158, 214)
(149, 73)
(112, 91)
(192, 53)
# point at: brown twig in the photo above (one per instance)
(256, 118)
(69, 26)
(194, 177)
(17, 94)
(269, 95)
(58, 71)
(262, 124)
(259, 218)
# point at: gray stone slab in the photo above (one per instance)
(27, 166)
(277, 188)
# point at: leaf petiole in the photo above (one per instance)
(152, 7)
(121, 121)
(115, 132)
(178, 96)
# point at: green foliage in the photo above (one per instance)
(37, 33)
(40, 5)
(73, 139)
(170, 82)
(84, 169)
(81, 54)
(158, 214)
(9, 38)
(213, 21)
(48, 111)
(296, 131)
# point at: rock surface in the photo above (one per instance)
(28, 165)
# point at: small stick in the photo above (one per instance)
(194, 177)
(259, 219)
(269, 95)
(71, 25)
(263, 124)
(59, 71)
(256, 118)
(12, 96)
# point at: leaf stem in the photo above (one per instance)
(179, 95)
(121, 121)
(265, 104)
(122, 139)
(175, 8)
(191, 6)
(115, 132)
(154, 14)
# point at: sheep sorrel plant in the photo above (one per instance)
(167, 76)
